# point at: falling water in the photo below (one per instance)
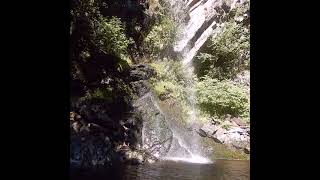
(192, 31)
(201, 23)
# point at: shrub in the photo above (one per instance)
(222, 97)
(168, 70)
(225, 55)
(160, 37)
(169, 79)
(103, 94)
(111, 37)
(163, 87)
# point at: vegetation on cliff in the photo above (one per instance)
(224, 56)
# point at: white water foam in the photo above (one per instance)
(193, 159)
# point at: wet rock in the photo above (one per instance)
(96, 128)
(202, 133)
(150, 161)
(84, 129)
(220, 135)
(209, 129)
(227, 117)
(141, 72)
(225, 7)
(164, 96)
(140, 87)
(76, 126)
(215, 122)
(217, 140)
(103, 116)
(229, 134)
(91, 147)
(77, 117)
(135, 162)
(157, 134)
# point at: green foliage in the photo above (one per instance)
(99, 94)
(222, 57)
(161, 37)
(221, 151)
(163, 87)
(225, 55)
(222, 97)
(241, 11)
(111, 36)
(226, 126)
(170, 83)
(167, 87)
(99, 38)
(169, 79)
(168, 70)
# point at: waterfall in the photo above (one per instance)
(163, 136)
(191, 37)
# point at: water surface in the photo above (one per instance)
(167, 170)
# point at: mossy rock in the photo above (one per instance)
(221, 151)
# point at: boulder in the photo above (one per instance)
(228, 133)
(141, 72)
(164, 96)
(209, 129)
(220, 136)
(202, 133)
(140, 87)
(238, 121)
(89, 151)
(76, 126)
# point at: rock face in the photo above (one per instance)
(97, 139)
(204, 18)
(156, 134)
(141, 72)
(140, 87)
(93, 145)
(90, 147)
(138, 77)
(229, 133)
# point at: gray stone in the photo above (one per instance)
(238, 121)
(209, 129)
(164, 96)
(202, 133)
(140, 87)
(141, 72)
(157, 136)
(76, 126)
(220, 136)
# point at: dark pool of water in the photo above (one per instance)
(220, 170)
